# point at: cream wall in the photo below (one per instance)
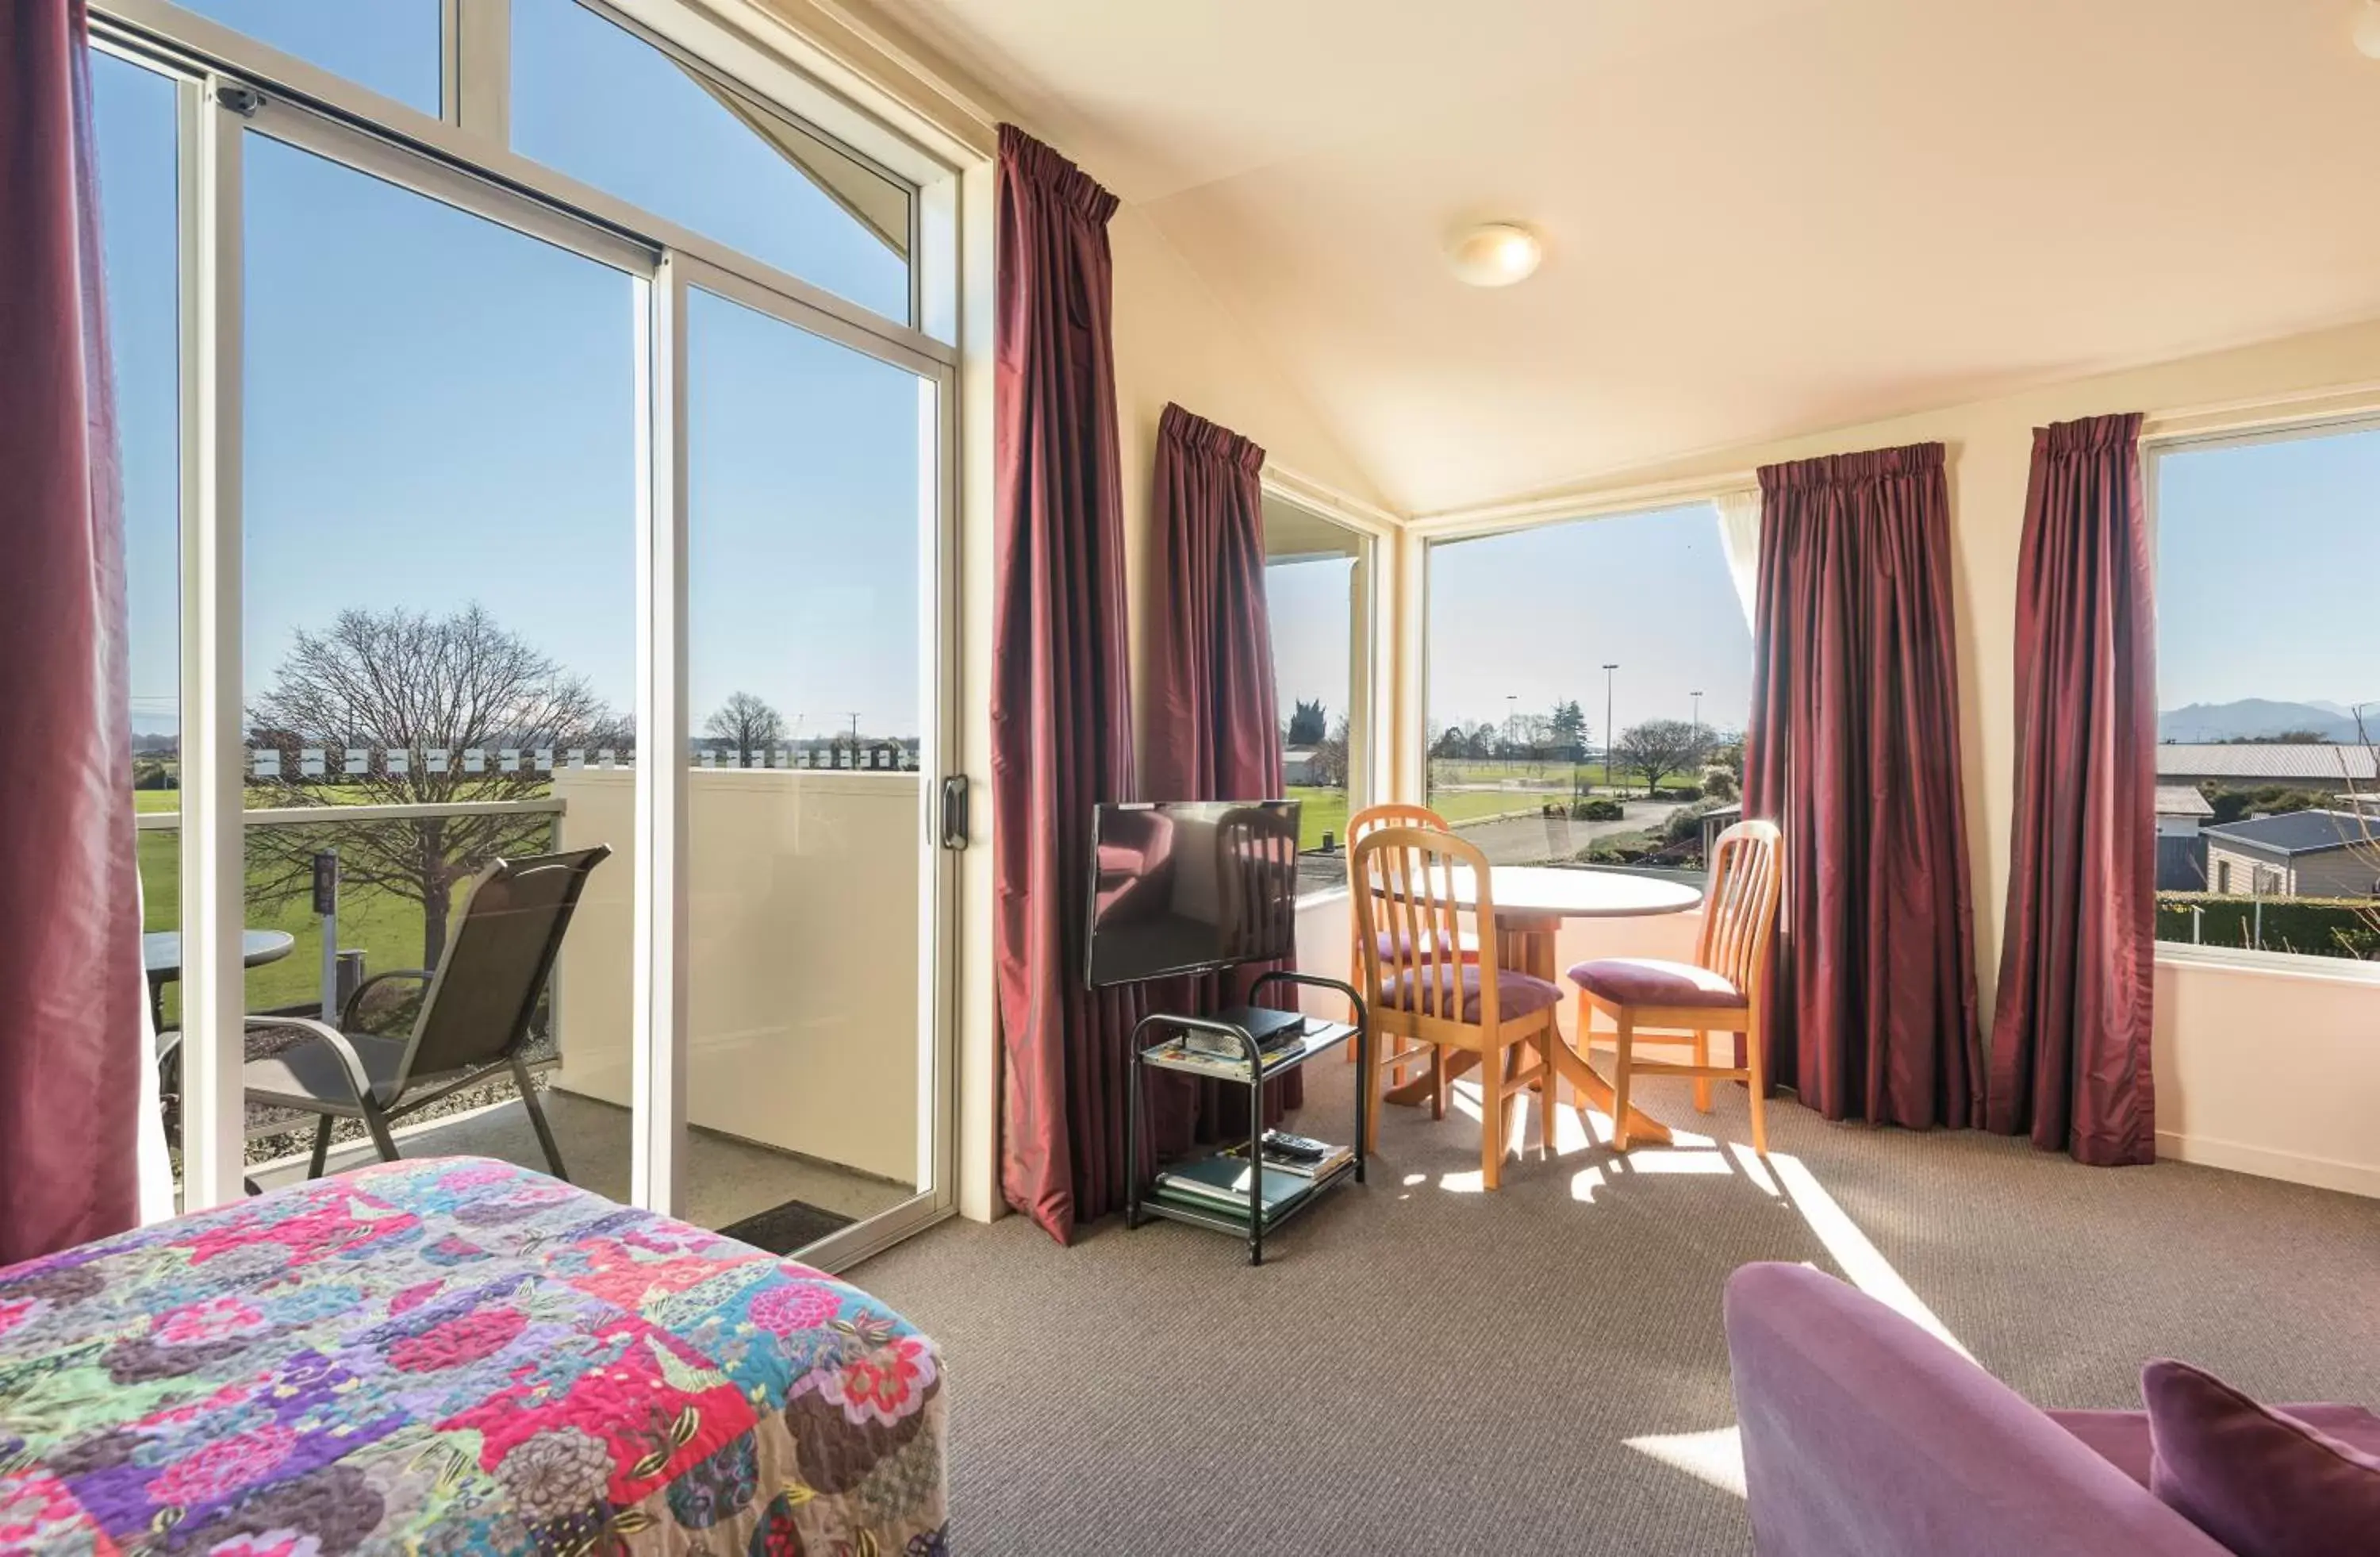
(1175, 341)
(2269, 1071)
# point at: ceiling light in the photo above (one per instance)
(2367, 29)
(1495, 254)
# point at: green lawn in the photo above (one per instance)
(1325, 810)
(384, 926)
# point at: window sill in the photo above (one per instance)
(2279, 964)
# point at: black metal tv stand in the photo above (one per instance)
(1254, 1068)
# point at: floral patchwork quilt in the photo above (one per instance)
(457, 1356)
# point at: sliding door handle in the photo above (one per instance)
(955, 790)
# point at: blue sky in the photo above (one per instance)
(2268, 569)
(1523, 620)
(1310, 605)
(440, 410)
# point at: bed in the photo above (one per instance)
(456, 1356)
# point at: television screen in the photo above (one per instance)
(1184, 886)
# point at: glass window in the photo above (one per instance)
(807, 607)
(1316, 590)
(390, 47)
(603, 105)
(2267, 814)
(1600, 725)
(439, 520)
(134, 111)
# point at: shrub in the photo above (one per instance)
(1719, 785)
(1620, 848)
(1600, 809)
(2322, 927)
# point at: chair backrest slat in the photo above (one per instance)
(1362, 825)
(1404, 883)
(497, 961)
(1740, 916)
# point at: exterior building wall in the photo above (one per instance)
(2347, 873)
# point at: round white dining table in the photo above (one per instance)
(1531, 902)
(1556, 892)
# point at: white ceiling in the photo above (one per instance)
(1763, 217)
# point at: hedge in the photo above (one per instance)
(2322, 927)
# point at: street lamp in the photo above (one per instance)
(1607, 730)
(1511, 719)
(1698, 715)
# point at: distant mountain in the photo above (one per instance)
(2251, 718)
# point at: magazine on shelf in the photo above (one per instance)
(1180, 1057)
(1277, 1160)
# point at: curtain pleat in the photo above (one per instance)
(1214, 720)
(1061, 692)
(1853, 751)
(2070, 1033)
(70, 979)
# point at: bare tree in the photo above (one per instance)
(747, 725)
(433, 690)
(1329, 763)
(1662, 746)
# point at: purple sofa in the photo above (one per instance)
(1864, 1436)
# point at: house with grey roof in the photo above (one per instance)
(2181, 810)
(2297, 854)
(2180, 762)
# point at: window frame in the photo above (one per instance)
(2246, 429)
(472, 136)
(227, 85)
(1363, 724)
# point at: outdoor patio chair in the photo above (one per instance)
(473, 1020)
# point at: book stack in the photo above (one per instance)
(1221, 1186)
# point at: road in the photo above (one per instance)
(1536, 839)
(1520, 840)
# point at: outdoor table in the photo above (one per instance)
(1532, 901)
(161, 953)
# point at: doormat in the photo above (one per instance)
(784, 1229)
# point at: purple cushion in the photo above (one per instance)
(1651, 982)
(2121, 1437)
(2262, 1481)
(1864, 1436)
(1517, 994)
(1396, 945)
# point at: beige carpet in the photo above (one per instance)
(1423, 1368)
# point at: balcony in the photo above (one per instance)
(802, 1074)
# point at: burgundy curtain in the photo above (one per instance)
(70, 979)
(2070, 1031)
(1062, 693)
(1214, 732)
(1854, 750)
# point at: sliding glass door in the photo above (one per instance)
(513, 524)
(810, 538)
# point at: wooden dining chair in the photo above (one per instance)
(1404, 881)
(1363, 824)
(1719, 991)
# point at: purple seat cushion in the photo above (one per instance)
(1651, 982)
(1397, 947)
(2263, 1481)
(1424, 989)
(2122, 1439)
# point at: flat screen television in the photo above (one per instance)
(1189, 886)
